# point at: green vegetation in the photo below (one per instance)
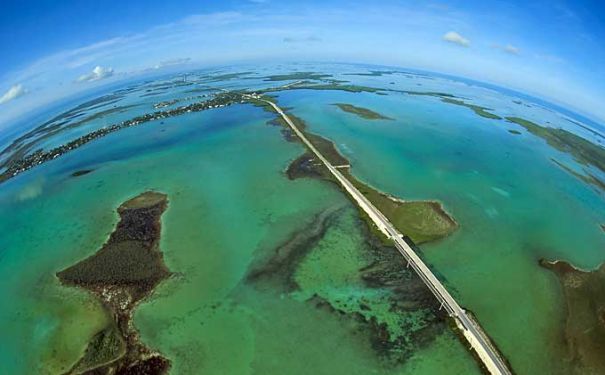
(123, 272)
(105, 347)
(328, 86)
(361, 112)
(584, 151)
(298, 76)
(19, 149)
(422, 221)
(430, 93)
(481, 111)
(228, 76)
(326, 147)
(513, 131)
(587, 177)
(347, 88)
(584, 293)
(130, 257)
(373, 73)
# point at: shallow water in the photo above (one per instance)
(229, 203)
(230, 206)
(513, 204)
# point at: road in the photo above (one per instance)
(471, 330)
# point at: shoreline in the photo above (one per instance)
(421, 220)
(123, 273)
(584, 298)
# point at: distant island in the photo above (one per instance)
(421, 221)
(365, 113)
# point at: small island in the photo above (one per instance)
(298, 76)
(19, 162)
(479, 110)
(122, 273)
(584, 293)
(584, 151)
(422, 221)
(365, 113)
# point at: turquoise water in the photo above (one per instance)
(513, 204)
(231, 206)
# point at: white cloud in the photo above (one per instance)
(508, 49)
(172, 62)
(13, 93)
(97, 73)
(511, 49)
(454, 37)
(259, 33)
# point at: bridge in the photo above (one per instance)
(470, 328)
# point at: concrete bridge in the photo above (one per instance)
(471, 330)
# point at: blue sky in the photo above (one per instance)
(53, 49)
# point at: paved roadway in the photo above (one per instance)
(471, 330)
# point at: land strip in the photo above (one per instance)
(20, 165)
(122, 273)
(364, 113)
(471, 330)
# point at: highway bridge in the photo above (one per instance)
(470, 328)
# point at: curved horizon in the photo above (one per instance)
(73, 98)
(550, 50)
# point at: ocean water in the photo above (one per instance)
(514, 206)
(231, 206)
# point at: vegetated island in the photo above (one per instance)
(587, 177)
(334, 85)
(365, 113)
(329, 85)
(380, 308)
(226, 76)
(16, 165)
(19, 157)
(422, 221)
(24, 144)
(298, 76)
(122, 273)
(374, 73)
(582, 150)
(584, 293)
(481, 111)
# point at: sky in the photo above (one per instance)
(554, 49)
